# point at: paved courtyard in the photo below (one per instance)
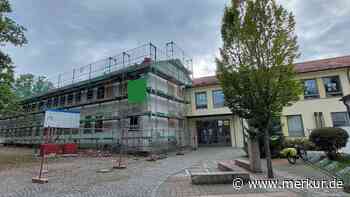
(164, 178)
(78, 177)
(179, 185)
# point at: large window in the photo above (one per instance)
(332, 86)
(340, 119)
(218, 99)
(201, 100)
(295, 126)
(310, 89)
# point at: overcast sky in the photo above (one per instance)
(65, 34)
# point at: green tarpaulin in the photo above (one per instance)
(137, 91)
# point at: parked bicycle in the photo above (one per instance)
(292, 154)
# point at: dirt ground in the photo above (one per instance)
(14, 157)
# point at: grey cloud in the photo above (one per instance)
(65, 34)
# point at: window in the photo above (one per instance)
(134, 122)
(63, 100)
(90, 94)
(340, 119)
(100, 92)
(295, 126)
(310, 89)
(78, 97)
(332, 86)
(70, 99)
(201, 100)
(99, 124)
(218, 99)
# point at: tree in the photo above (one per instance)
(10, 33)
(329, 139)
(27, 85)
(256, 65)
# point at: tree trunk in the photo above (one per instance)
(268, 154)
(254, 155)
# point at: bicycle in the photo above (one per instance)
(292, 154)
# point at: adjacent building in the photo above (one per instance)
(325, 82)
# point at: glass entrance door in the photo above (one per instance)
(214, 132)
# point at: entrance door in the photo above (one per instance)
(214, 132)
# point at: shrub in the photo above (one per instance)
(329, 140)
(304, 142)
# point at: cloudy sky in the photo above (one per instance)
(65, 34)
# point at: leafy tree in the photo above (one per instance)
(27, 85)
(256, 65)
(10, 33)
(329, 139)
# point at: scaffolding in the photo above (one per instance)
(155, 125)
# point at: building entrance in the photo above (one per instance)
(214, 132)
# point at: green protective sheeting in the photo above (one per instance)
(137, 91)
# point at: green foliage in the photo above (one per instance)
(304, 142)
(10, 33)
(329, 139)
(27, 85)
(256, 66)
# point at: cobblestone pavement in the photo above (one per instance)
(180, 183)
(78, 177)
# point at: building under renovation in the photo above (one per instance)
(135, 98)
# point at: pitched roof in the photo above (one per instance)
(204, 81)
(302, 67)
(323, 64)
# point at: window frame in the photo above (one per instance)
(346, 115)
(302, 126)
(206, 98)
(213, 100)
(317, 89)
(337, 94)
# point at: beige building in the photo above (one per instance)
(209, 121)
(325, 82)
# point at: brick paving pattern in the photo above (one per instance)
(180, 184)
